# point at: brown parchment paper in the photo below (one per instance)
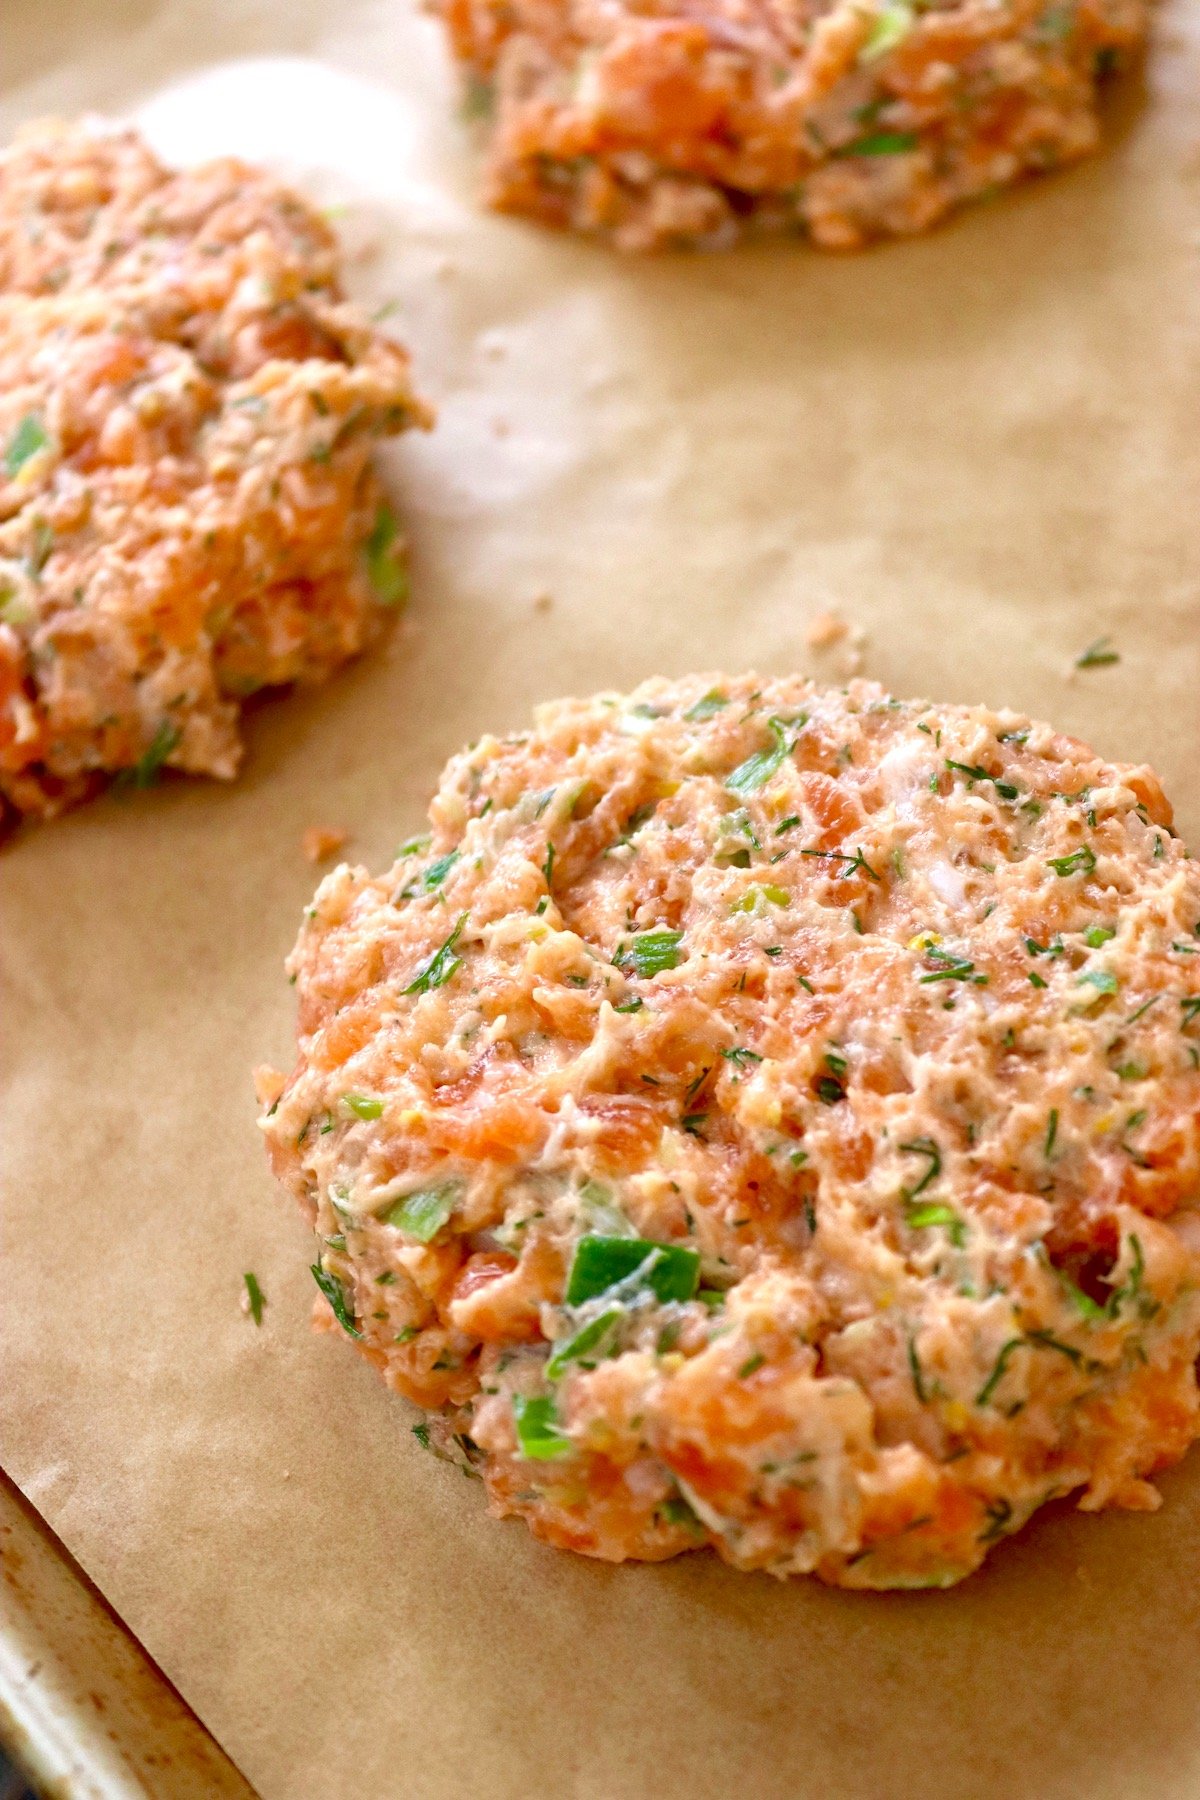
(983, 450)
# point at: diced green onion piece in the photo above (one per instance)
(600, 1262)
(776, 895)
(892, 25)
(387, 573)
(925, 1213)
(588, 1337)
(146, 770)
(1083, 1303)
(255, 1297)
(363, 1106)
(29, 437)
(1098, 655)
(750, 775)
(422, 1214)
(539, 1433)
(707, 707)
(1095, 935)
(1081, 861)
(649, 953)
(883, 143)
(431, 878)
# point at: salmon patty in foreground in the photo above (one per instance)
(188, 508)
(768, 1117)
(653, 122)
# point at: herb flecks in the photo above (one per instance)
(974, 772)
(255, 1298)
(759, 767)
(29, 437)
(1098, 655)
(384, 556)
(438, 969)
(924, 1147)
(339, 1298)
(1079, 862)
(950, 967)
(852, 865)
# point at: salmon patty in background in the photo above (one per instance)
(188, 508)
(767, 1117)
(667, 121)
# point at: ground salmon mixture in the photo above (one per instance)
(768, 1117)
(668, 121)
(188, 510)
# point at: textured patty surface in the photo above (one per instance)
(767, 1116)
(660, 121)
(188, 510)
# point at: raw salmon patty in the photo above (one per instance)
(768, 1117)
(188, 510)
(688, 121)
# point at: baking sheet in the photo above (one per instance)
(982, 451)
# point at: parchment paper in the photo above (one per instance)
(983, 450)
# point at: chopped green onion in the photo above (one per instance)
(387, 573)
(436, 972)
(776, 895)
(1098, 655)
(926, 1147)
(255, 1297)
(423, 1213)
(339, 1299)
(431, 878)
(1081, 861)
(363, 1106)
(935, 1212)
(587, 1338)
(29, 437)
(147, 768)
(649, 953)
(853, 863)
(539, 1433)
(974, 772)
(707, 708)
(882, 143)
(1083, 1303)
(478, 99)
(890, 27)
(1103, 980)
(1095, 935)
(915, 1370)
(757, 769)
(955, 968)
(998, 1368)
(672, 1272)
(40, 550)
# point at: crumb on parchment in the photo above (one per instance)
(320, 842)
